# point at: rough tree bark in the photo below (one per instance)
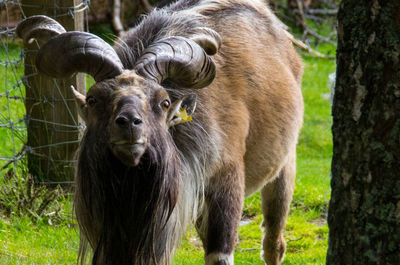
(364, 211)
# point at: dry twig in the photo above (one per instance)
(11, 161)
(304, 47)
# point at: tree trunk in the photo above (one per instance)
(364, 211)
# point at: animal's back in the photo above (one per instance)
(256, 96)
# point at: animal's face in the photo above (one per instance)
(130, 109)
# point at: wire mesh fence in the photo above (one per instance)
(39, 125)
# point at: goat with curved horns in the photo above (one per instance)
(143, 171)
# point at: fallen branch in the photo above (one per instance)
(308, 31)
(248, 249)
(330, 12)
(292, 240)
(315, 18)
(307, 48)
(317, 12)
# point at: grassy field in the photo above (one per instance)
(11, 107)
(45, 241)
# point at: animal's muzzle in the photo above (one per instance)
(127, 120)
(129, 126)
(128, 141)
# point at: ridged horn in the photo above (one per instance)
(41, 28)
(74, 51)
(208, 39)
(180, 60)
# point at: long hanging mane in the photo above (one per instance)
(127, 214)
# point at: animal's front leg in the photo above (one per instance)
(221, 216)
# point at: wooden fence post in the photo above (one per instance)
(53, 125)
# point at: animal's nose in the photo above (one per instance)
(125, 121)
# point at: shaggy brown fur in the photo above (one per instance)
(242, 139)
(142, 176)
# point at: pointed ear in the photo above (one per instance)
(181, 110)
(81, 101)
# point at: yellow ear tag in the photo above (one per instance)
(184, 116)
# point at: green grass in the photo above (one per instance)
(25, 242)
(22, 242)
(12, 107)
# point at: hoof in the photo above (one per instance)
(219, 259)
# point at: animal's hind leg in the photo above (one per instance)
(276, 197)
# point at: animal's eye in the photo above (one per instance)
(165, 104)
(90, 100)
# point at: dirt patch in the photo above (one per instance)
(320, 221)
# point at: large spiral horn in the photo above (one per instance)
(41, 28)
(180, 60)
(65, 53)
(75, 51)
